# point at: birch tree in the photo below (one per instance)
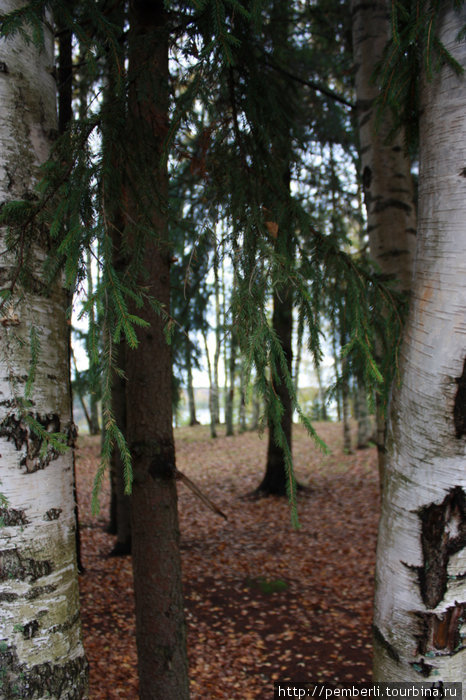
(384, 165)
(421, 557)
(41, 653)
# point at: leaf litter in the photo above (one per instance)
(264, 602)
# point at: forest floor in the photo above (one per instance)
(264, 602)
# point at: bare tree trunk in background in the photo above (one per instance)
(242, 399)
(365, 431)
(212, 406)
(229, 405)
(346, 409)
(218, 342)
(190, 389)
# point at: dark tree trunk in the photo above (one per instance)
(93, 331)
(114, 113)
(275, 477)
(65, 115)
(278, 207)
(160, 624)
(122, 502)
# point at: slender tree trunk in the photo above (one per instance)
(299, 350)
(79, 392)
(65, 116)
(190, 389)
(242, 400)
(212, 407)
(122, 500)
(337, 374)
(160, 624)
(225, 343)
(385, 167)
(256, 408)
(421, 554)
(322, 401)
(346, 411)
(364, 423)
(231, 386)
(41, 653)
(218, 343)
(114, 109)
(93, 332)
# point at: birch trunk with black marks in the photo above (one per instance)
(41, 653)
(421, 557)
(384, 165)
(160, 623)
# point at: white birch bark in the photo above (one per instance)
(421, 557)
(385, 169)
(384, 166)
(41, 653)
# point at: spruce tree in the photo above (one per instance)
(160, 627)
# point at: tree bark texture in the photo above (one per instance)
(122, 503)
(41, 653)
(421, 556)
(160, 624)
(384, 165)
(114, 109)
(275, 477)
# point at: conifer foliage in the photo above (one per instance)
(206, 132)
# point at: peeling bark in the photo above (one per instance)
(441, 634)
(41, 653)
(459, 410)
(443, 533)
(14, 566)
(46, 679)
(421, 553)
(14, 428)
